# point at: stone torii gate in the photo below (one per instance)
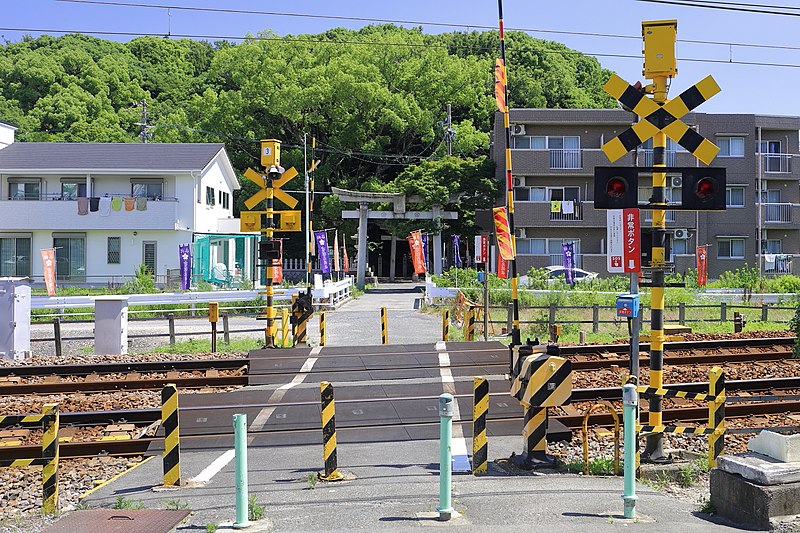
(398, 212)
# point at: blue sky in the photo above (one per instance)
(745, 88)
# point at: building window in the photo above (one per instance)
(210, 199)
(226, 200)
(72, 189)
(24, 189)
(734, 196)
(731, 146)
(15, 256)
(730, 249)
(771, 246)
(149, 255)
(114, 250)
(152, 189)
(680, 246)
(70, 256)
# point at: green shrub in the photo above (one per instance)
(142, 282)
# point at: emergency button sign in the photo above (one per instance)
(623, 234)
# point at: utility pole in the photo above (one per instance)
(143, 124)
(449, 132)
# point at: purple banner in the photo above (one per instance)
(322, 251)
(185, 253)
(568, 252)
(457, 250)
(425, 249)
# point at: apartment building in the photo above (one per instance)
(108, 208)
(554, 152)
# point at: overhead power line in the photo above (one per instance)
(732, 6)
(419, 22)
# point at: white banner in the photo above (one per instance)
(615, 234)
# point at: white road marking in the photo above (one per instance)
(261, 418)
(459, 444)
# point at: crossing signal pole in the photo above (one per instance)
(703, 189)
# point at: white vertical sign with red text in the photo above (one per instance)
(481, 248)
(623, 232)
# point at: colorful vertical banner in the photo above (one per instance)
(504, 241)
(185, 261)
(502, 267)
(702, 266)
(49, 262)
(346, 259)
(336, 262)
(568, 255)
(481, 248)
(277, 266)
(425, 249)
(415, 245)
(321, 238)
(457, 250)
(500, 85)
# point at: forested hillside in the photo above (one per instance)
(374, 98)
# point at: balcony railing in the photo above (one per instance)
(777, 264)
(781, 213)
(777, 163)
(647, 215)
(566, 158)
(575, 216)
(646, 158)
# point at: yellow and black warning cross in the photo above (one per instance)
(172, 442)
(661, 118)
(328, 433)
(480, 410)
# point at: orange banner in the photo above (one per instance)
(500, 85)
(415, 245)
(49, 262)
(502, 267)
(702, 266)
(505, 242)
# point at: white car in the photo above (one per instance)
(578, 274)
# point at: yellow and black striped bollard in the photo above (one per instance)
(323, 337)
(328, 433)
(469, 324)
(716, 414)
(172, 444)
(445, 324)
(50, 455)
(534, 433)
(384, 326)
(480, 410)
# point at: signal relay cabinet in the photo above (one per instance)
(15, 318)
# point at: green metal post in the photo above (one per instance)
(445, 455)
(630, 400)
(240, 447)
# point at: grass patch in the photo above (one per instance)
(255, 510)
(211, 528)
(204, 346)
(706, 507)
(597, 467)
(175, 505)
(126, 504)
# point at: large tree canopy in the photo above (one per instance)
(374, 98)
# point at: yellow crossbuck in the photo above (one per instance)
(661, 118)
(260, 196)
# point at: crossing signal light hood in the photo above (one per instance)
(616, 187)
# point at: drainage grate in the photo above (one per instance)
(119, 521)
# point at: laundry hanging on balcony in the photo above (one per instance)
(105, 206)
(555, 206)
(83, 206)
(116, 203)
(568, 207)
(129, 204)
(141, 203)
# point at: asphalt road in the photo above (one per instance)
(355, 323)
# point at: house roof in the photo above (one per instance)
(97, 157)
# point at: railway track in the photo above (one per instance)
(27, 380)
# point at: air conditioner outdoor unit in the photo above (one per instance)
(520, 233)
(681, 234)
(517, 182)
(677, 182)
(518, 129)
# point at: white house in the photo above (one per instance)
(144, 200)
